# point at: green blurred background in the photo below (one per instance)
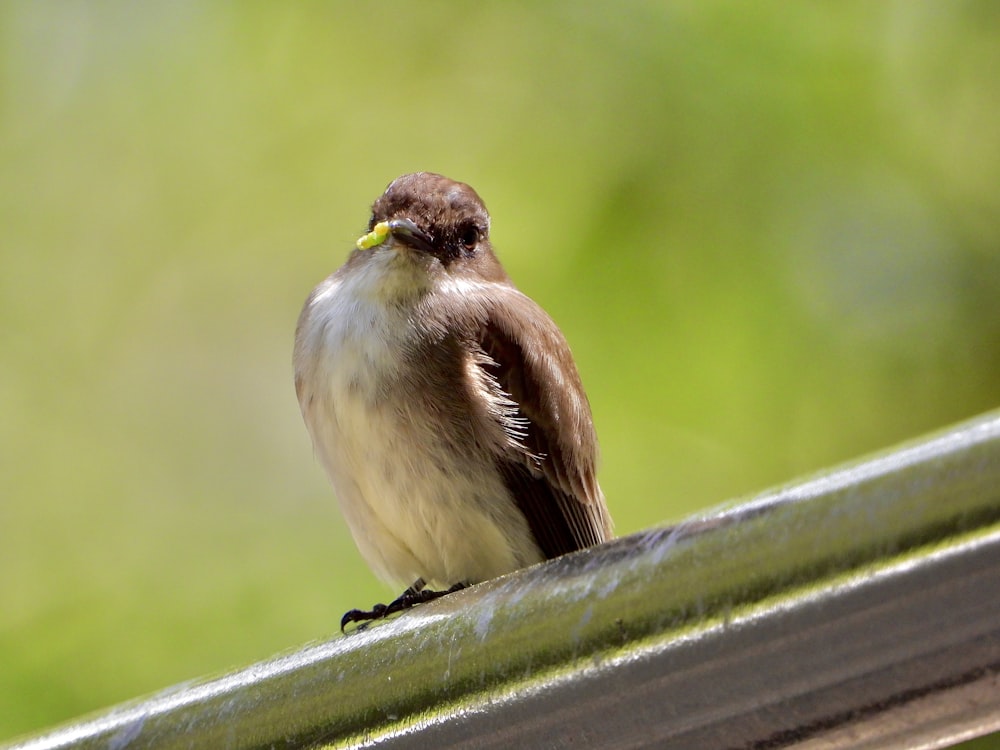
(771, 233)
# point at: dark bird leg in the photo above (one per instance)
(413, 596)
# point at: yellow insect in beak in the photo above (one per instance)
(375, 237)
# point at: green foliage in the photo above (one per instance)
(768, 232)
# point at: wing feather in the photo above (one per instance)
(552, 476)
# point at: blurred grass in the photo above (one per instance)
(769, 233)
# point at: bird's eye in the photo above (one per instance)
(470, 237)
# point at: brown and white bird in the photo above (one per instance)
(443, 403)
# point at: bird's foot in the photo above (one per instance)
(414, 595)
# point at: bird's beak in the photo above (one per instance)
(409, 234)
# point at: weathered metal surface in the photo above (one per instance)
(858, 608)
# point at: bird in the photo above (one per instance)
(444, 404)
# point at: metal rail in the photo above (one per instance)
(856, 609)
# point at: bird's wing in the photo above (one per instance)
(552, 475)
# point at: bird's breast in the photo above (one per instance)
(421, 497)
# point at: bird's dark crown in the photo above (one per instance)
(450, 214)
